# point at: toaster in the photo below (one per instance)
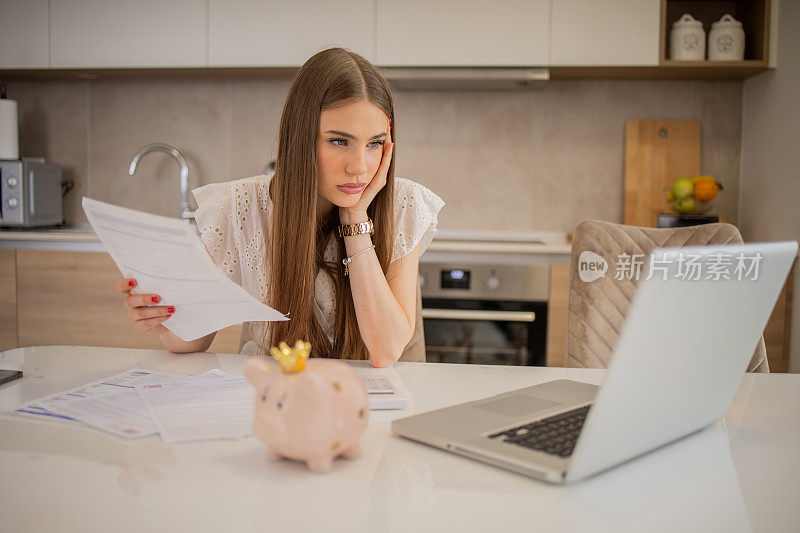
(30, 193)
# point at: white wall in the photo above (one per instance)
(770, 181)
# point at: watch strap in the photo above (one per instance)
(349, 230)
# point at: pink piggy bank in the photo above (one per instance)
(313, 414)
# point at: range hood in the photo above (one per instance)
(466, 77)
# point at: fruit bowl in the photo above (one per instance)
(693, 196)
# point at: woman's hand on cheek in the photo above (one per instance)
(358, 213)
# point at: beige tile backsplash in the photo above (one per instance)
(502, 160)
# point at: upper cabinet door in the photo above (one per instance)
(284, 33)
(23, 34)
(127, 33)
(607, 33)
(509, 33)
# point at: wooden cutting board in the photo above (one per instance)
(657, 152)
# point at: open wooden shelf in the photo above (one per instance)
(753, 14)
(674, 70)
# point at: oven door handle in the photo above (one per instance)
(471, 314)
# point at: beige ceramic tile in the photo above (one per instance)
(256, 108)
(53, 122)
(578, 152)
(469, 147)
(502, 160)
(193, 116)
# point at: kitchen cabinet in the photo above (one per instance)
(510, 33)
(68, 298)
(557, 310)
(608, 33)
(24, 27)
(576, 59)
(126, 33)
(576, 38)
(284, 33)
(8, 299)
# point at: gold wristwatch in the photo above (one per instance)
(348, 230)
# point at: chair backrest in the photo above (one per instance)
(415, 349)
(597, 310)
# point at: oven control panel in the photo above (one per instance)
(455, 278)
(479, 281)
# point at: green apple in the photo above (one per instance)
(684, 205)
(682, 188)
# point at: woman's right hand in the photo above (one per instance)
(144, 315)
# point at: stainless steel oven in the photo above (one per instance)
(485, 314)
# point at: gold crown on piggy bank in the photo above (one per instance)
(291, 359)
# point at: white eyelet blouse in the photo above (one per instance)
(234, 220)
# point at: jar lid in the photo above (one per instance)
(687, 21)
(727, 21)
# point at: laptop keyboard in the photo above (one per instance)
(555, 435)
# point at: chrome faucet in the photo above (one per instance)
(184, 211)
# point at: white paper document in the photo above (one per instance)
(213, 405)
(166, 257)
(121, 413)
(123, 382)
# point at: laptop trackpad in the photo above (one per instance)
(517, 405)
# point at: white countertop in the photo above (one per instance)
(56, 476)
(77, 239)
(499, 247)
(69, 234)
(83, 238)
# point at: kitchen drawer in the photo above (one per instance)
(68, 298)
(8, 299)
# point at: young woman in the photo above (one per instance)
(333, 239)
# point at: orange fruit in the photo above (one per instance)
(705, 190)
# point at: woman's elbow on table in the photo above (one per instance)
(390, 353)
(381, 362)
(175, 344)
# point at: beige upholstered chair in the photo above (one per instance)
(597, 310)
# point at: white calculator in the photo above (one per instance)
(378, 384)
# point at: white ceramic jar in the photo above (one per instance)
(687, 40)
(726, 40)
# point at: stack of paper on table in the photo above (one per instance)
(180, 408)
(213, 405)
(122, 385)
(140, 403)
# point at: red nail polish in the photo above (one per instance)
(132, 283)
(155, 299)
(170, 310)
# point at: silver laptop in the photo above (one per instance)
(691, 330)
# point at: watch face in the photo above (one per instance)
(357, 229)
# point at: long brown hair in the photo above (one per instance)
(330, 78)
